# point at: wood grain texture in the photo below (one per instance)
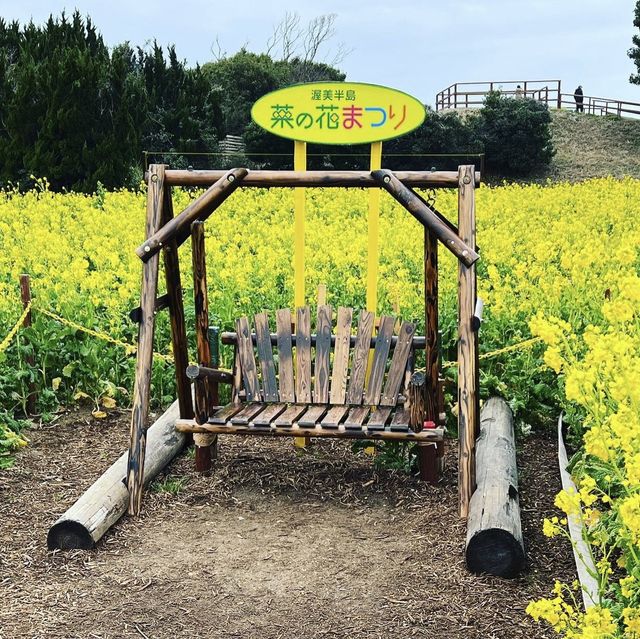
(270, 412)
(417, 401)
(323, 354)
(454, 243)
(334, 416)
(248, 413)
(378, 366)
(261, 178)
(265, 355)
(360, 358)
(356, 417)
(200, 209)
(398, 367)
(431, 325)
(494, 530)
(179, 344)
(468, 400)
(204, 388)
(290, 415)
(427, 435)
(340, 371)
(144, 360)
(303, 356)
(285, 355)
(247, 360)
(400, 419)
(378, 418)
(313, 415)
(223, 415)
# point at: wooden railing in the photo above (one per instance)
(469, 95)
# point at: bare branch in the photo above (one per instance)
(217, 51)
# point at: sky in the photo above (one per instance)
(417, 46)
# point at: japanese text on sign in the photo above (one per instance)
(338, 113)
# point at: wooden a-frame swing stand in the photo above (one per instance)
(341, 391)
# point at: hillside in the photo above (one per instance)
(594, 146)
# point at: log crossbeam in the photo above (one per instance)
(419, 209)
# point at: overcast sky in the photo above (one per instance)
(419, 46)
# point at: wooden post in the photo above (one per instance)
(299, 196)
(25, 294)
(468, 408)
(203, 387)
(176, 314)
(373, 224)
(425, 453)
(144, 362)
(559, 95)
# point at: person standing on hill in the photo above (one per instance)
(578, 96)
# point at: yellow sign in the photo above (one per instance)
(338, 113)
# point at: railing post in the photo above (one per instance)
(559, 95)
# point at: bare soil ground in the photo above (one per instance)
(275, 543)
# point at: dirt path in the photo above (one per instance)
(273, 544)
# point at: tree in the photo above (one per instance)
(514, 134)
(634, 52)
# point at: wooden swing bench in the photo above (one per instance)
(343, 391)
(334, 394)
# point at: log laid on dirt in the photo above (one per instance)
(107, 498)
(494, 530)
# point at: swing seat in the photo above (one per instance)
(329, 383)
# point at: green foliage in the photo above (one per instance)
(170, 484)
(514, 134)
(634, 51)
(74, 111)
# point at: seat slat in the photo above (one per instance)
(290, 415)
(312, 416)
(247, 414)
(247, 360)
(303, 356)
(334, 416)
(323, 354)
(225, 413)
(398, 365)
(383, 342)
(378, 419)
(285, 356)
(356, 417)
(400, 420)
(270, 412)
(265, 355)
(360, 356)
(341, 356)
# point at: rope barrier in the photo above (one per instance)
(130, 349)
(500, 351)
(12, 333)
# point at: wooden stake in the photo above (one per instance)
(176, 314)
(468, 406)
(30, 361)
(144, 362)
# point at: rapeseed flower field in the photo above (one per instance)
(559, 262)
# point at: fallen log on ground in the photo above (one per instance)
(494, 530)
(105, 501)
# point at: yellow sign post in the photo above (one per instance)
(337, 113)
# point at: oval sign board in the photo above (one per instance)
(338, 112)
